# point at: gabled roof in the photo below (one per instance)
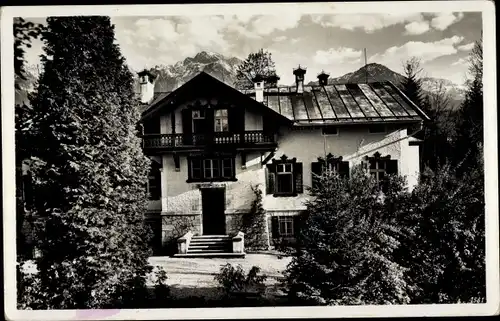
(201, 84)
(348, 103)
(317, 105)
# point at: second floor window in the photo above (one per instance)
(332, 165)
(209, 169)
(284, 177)
(221, 120)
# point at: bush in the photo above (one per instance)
(234, 281)
(254, 223)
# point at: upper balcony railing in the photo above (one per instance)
(253, 137)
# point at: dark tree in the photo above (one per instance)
(344, 248)
(88, 171)
(469, 143)
(259, 63)
(445, 250)
(24, 32)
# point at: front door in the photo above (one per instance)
(213, 204)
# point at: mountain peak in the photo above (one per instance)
(207, 57)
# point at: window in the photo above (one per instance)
(330, 131)
(377, 129)
(221, 120)
(284, 177)
(379, 167)
(285, 226)
(198, 121)
(332, 165)
(210, 169)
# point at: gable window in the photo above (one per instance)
(379, 167)
(377, 129)
(330, 131)
(211, 169)
(330, 165)
(284, 177)
(221, 120)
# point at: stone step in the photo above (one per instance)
(203, 246)
(211, 255)
(208, 251)
(209, 236)
(209, 242)
(206, 239)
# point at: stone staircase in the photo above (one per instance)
(210, 246)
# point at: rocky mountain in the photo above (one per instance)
(170, 77)
(376, 72)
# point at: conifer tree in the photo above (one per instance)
(469, 141)
(344, 248)
(89, 170)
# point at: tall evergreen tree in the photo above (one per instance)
(89, 170)
(345, 245)
(469, 141)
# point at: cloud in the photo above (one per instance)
(461, 62)
(443, 20)
(366, 22)
(266, 24)
(337, 55)
(280, 38)
(417, 28)
(425, 51)
(466, 47)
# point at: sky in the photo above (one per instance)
(330, 42)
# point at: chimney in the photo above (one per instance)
(147, 82)
(323, 78)
(273, 80)
(299, 79)
(258, 82)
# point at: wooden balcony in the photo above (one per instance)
(255, 139)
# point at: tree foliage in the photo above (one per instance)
(345, 245)
(469, 142)
(24, 32)
(445, 250)
(258, 63)
(88, 170)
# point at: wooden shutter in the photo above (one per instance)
(297, 172)
(297, 222)
(391, 166)
(236, 118)
(270, 178)
(315, 172)
(187, 129)
(275, 232)
(344, 169)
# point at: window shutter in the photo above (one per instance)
(270, 176)
(274, 227)
(297, 171)
(297, 221)
(236, 118)
(344, 169)
(187, 129)
(315, 172)
(392, 166)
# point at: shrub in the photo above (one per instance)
(254, 223)
(234, 281)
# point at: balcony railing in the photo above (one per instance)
(219, 138)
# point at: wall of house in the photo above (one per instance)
(353, 143)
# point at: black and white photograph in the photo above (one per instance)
(299, 159)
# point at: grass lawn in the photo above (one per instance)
(189, 277)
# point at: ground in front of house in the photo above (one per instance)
(194, 277)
